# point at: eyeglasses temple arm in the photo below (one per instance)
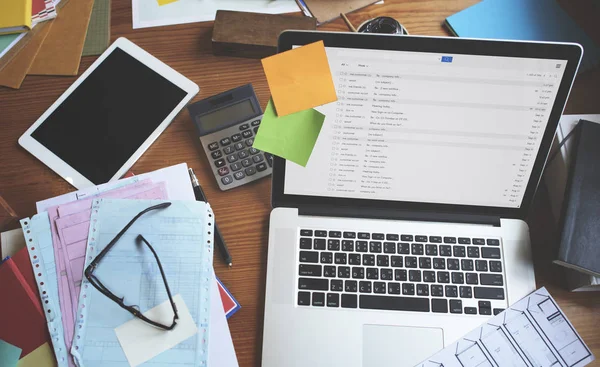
(92, 266)
(162, 272)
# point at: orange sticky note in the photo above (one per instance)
(165, 2)
(299, 79)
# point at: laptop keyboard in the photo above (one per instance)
(400, 272)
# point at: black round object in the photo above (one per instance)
(385, 25)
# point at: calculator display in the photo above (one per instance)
(233, 113)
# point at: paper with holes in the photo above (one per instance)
(41, 253)
(176, 177)
(70, 227)
(182, 237)
(67, 292)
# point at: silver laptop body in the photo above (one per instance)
(405, 230)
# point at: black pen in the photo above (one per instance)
(218, 238)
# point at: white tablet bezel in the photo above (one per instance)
(65, 170)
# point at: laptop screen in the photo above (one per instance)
(430, 128)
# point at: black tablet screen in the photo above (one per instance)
(109, 116)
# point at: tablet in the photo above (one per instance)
(107, 119)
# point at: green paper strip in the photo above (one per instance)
(9, 354)
(292, 137)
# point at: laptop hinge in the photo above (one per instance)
(378, 213)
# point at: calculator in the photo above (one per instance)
(227, 124)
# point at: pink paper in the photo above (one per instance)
(66, 293)
(73, 229)
(70, 226)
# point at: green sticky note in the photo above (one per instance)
(9, 354)
(292, 136)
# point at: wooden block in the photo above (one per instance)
(253, 35)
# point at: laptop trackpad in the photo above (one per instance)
(400, 345)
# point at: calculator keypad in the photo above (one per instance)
(235, 160)
(261, 167)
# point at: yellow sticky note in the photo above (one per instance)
(41, 357)
(165, 2)
(299, 79)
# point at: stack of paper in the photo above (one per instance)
(85, 327)
(181, 236)
(153, 13)
(72, 32)
(328, 10)
(299, 80)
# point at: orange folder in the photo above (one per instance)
(60, 53)
(14, 72)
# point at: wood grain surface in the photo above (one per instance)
(243, 213)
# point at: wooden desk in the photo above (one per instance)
(243, 213)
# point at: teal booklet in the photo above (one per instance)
(5, 41)
(531, 20)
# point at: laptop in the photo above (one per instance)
(406, 228)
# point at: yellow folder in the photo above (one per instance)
(15, 16)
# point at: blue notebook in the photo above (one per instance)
(531, 20)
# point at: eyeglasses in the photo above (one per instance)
(134, 310)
